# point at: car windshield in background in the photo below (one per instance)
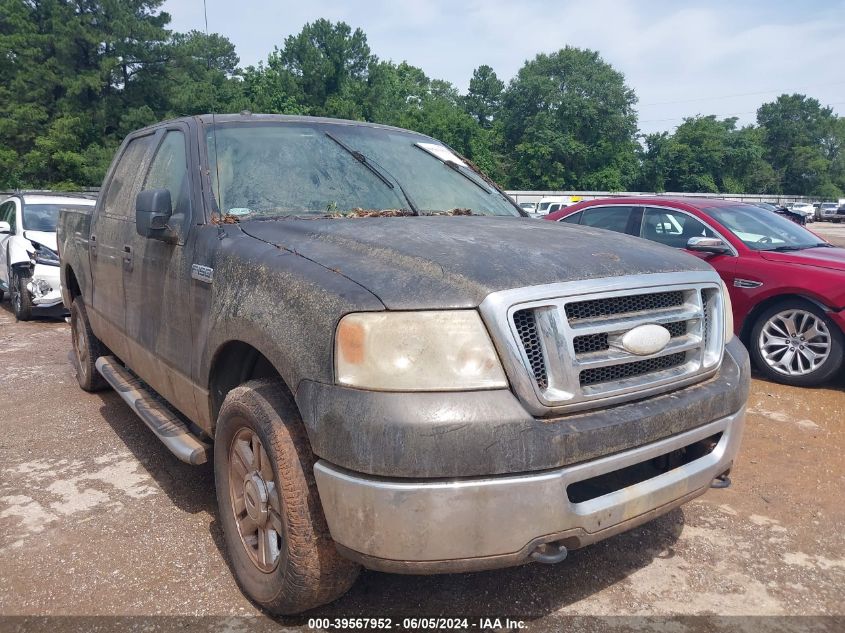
(44, 217)
(763, 231)
(318, 169)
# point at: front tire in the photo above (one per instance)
(276, 534)
(795, 343)
(87, 348)
(19, 295)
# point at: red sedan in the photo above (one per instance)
(787, 285)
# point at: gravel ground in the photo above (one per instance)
(98, 519)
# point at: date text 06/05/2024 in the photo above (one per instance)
(415, 623)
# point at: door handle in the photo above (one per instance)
(127, 258)
(92, 245)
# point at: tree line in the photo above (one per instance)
(77, 76)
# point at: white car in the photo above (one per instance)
(528, 207)
(806, 208)
(29, 263)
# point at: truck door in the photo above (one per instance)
(157, 282)
(112, 222)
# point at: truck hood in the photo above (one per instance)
(824, 257)
(455, 262)
(48, 239)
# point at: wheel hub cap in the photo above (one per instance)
(794, 342)
(255, 498)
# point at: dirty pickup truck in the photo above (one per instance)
(388, 363)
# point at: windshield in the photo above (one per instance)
(762, 230)
(318, 169)
(829, 205)
(45, 217)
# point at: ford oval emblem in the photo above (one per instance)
(646, 339)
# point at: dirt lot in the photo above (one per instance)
(97, 518)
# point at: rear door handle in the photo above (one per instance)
(92, 245)
(127, 258)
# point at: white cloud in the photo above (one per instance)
(703, 57)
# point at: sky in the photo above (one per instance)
(682, 58)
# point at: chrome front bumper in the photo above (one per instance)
(436, 526)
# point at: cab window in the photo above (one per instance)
(169, 170)
(612, 218)
(125, 182)
(672, 228)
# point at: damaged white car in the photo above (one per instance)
(29, 262)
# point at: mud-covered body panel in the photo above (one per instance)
(455, 262)
(489, 433)
(282, 304)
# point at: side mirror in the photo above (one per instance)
(707, 245)
(153, 209)
(5, 227)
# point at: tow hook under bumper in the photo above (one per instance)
(549, 553)
(722, 481)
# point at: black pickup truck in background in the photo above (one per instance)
(390, 365)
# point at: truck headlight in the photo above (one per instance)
(728, 313)
(416, 351)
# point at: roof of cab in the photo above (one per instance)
(248, 117)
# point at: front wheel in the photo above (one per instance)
(276, 534)
(19, 295)
(795, 343)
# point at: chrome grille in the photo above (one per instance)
(562, 343)
(590, 343)
(595, 308)
(526, 327)
(637, 368)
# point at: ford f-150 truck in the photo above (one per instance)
(387, 362)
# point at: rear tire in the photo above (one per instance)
(19, 295)
(87, 348)
(276, 535)
(794, 342)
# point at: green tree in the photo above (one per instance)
(484, 98)
(324, 68)
(202, 75)
(74, 74)
(803, 141)
(569, 122)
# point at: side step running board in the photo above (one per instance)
(172, 431)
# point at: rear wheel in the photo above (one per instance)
(87, 348)
(276, 534)
(19, 295)
(795, 343)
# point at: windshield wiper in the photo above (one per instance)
(786, 247)
(457, 168)
(372, 166)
